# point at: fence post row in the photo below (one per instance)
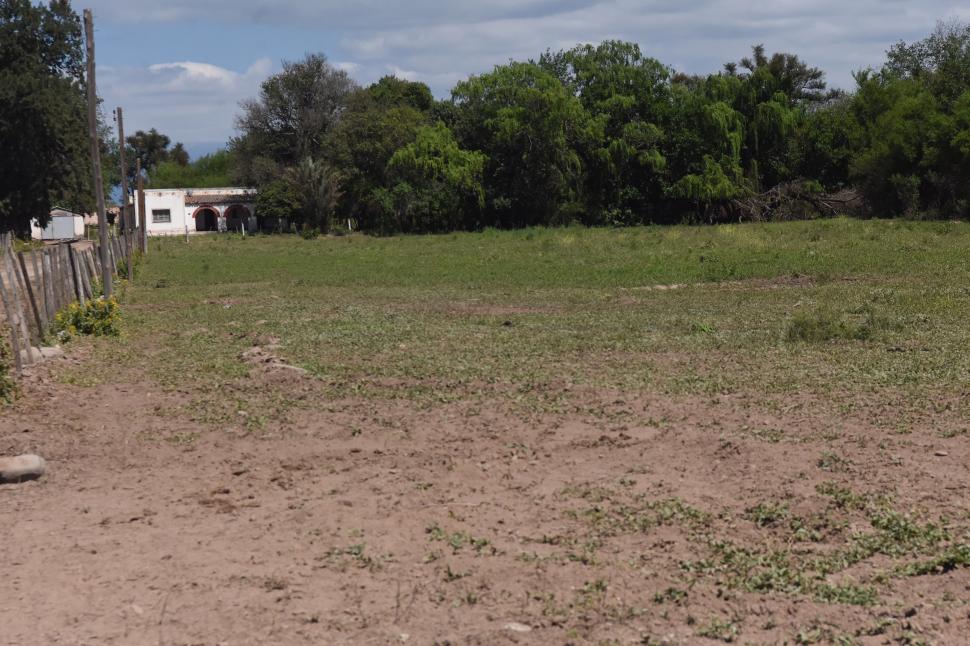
(36, 284)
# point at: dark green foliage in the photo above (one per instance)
(826, 143)
(316, 186)
(626, 95)
(376, 122)
(434, 185)
(601, 134)
(915, 112)
(43, 126)
(530, 127)
(277, 202)
(208, 171)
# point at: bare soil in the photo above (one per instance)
(387, 522)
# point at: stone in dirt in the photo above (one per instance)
(21, 468)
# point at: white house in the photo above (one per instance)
(170, 211)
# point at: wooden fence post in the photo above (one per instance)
(41, 293)
(17, 293)
(20, 285)
(33, 299)
(12, 325)
(76, 274)
(48, 269)
(13, 320)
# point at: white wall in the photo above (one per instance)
(158, 200)
(67, 226)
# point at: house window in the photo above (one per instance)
(161, 216)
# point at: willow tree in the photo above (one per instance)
(531, 128)
(434, 185)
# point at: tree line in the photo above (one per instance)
(604, 135)
(597, 134)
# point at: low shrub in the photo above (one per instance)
(97, 317)
(309, 233)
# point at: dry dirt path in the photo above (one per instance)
(369, 522)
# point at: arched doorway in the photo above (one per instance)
(237, 215)
(206, 219)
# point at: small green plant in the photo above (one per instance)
(722, 630)
(97, 317)
(309, 233)
(833, 462)
(8, 387)
(767, 514)
(670, 595)
(956, 556)
(843, 497)
(136, 260)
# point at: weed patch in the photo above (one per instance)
(97, 317)
(8, 387)
(827, 324)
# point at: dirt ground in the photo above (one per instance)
(386, 522)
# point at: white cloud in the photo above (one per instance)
(407, 75)
(443, 41)
(187, 100)
(348, 66)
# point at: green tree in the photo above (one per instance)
(909, 165)
(939, 62)
(277, 203)
(208, 171)
(705, 143)
(627, 94)
(376, 122)
(290, 119)
(42, 113)
(773, 95)
(827, 142)
(531, 128)
(316, 186)
(434, 185)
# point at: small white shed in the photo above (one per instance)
(63, 225)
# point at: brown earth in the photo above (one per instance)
(389, 522)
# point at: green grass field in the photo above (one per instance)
(770, 308)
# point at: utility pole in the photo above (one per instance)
(96, 154)
(119, 117)
(142, 218)
(127, 216)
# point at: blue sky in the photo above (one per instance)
(182, 66)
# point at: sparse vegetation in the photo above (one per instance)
(659, 394)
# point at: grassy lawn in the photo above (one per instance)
(836, 305)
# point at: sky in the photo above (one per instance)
(183, 66)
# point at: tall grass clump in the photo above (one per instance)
(826, 324)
